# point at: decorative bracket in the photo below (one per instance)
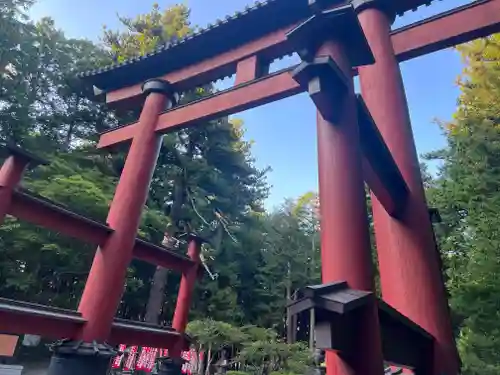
(341, 24)
(335, 307)
(326, 84)
(317, 6)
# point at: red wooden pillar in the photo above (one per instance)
(105, 283)
(408, 259)
(188, 283)
(11, 174)
(345, 240)
(186, 288)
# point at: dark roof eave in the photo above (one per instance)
(269, 15)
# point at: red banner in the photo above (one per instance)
(145, 361)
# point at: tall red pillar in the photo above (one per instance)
(105, 284)
(186, 288)
(408, 259)
(345, 240)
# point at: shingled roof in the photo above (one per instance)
(235, 30)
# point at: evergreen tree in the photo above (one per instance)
(467, 193)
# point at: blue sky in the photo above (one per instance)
(285, 132)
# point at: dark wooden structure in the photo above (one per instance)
(360, 138)
(338, 309)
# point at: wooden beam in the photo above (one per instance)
(460, 25)
(403, 341)
(239, 98)
(380, 170)
(268, 48)
(42, 212)
(143, 334)
(250, 69)
(18, 317)
(444, 30)
(161, 256)
(45, 213)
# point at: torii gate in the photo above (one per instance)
(360, 138)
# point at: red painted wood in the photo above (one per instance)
(185, 295)
(410, 275)
(243, 97)
(11, 174)
(56, 219)
(345, 239)
(186, 288)
(247, 70)
(442, 31)
(105, 284)
(160, 256)
(60, 326)
(266, 90)
(414, 41)
(268, 47)
(48, 327)
(466, 23)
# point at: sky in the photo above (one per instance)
(284, 132)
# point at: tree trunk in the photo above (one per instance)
(289, 317)
(312, 323)
(156, 296)
(209, 359)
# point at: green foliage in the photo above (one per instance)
(145, 32)
(255, 349)
(271, 356)
(467, 194)
(237, 373)
(214, 334)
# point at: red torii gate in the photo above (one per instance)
(371, 142)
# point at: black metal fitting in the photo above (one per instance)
(341, 24)
(170, 366)
(382, 5)
(161, 86)
(80, 358)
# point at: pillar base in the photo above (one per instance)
(169, 366)
(80, 358)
